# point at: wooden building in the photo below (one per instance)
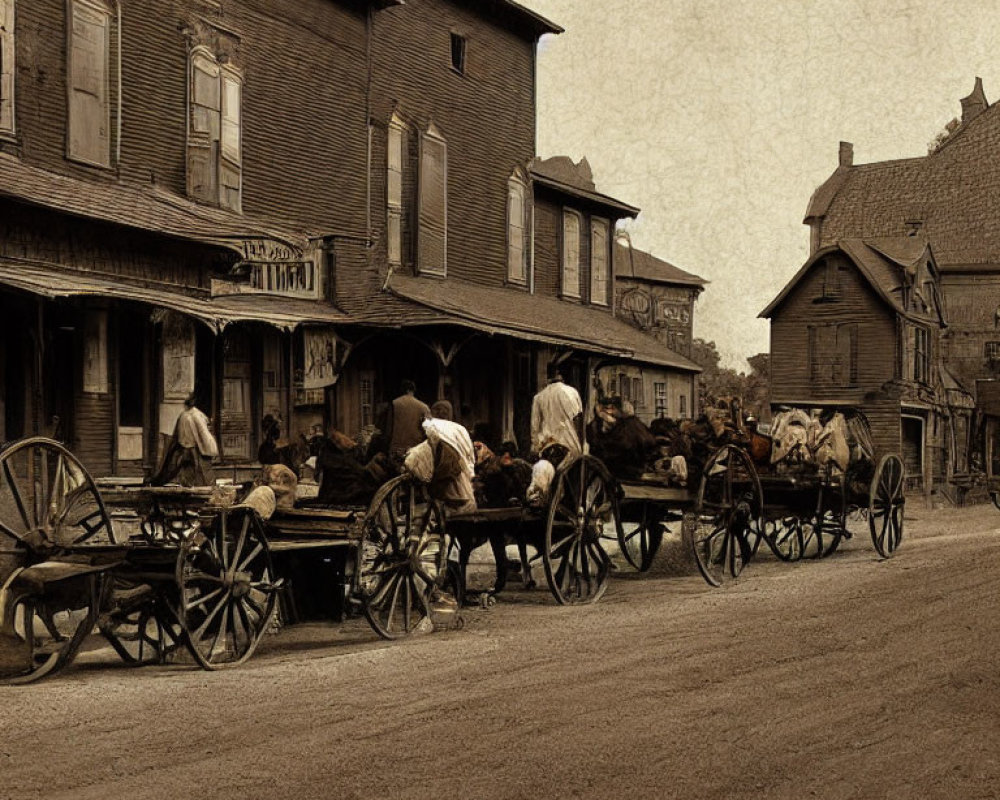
(189, 205)
(658, 298)
(861, 325)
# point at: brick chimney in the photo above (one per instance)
(846, 154)
(975, 104)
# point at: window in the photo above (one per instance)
(659, 399)
(638, 393)
(683, 410)
(599, 261)
(518, 230)
(571, 254)
(921, 355)
(832, 281)
(215, 132)
(991, 351)
(366, 396)
(832, 352)
(458, 43)
(432, 241)
(394, 191)
(6, 67)
(88, 79)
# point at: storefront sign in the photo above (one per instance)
(290, 278)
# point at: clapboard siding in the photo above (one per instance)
(94, 431)
(877, 348)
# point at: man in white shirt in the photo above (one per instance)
(557, 416)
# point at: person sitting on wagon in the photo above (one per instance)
(620, 439)
(343, 480)
(446, 461)
(557, 415)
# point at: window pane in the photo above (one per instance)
(599, 262)
(571, 255)
(515, 232)
(395, 167)
(394, 237)
(89, 109)
(231, 112)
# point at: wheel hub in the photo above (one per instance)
(239, 583)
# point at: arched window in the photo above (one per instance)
(519, 238)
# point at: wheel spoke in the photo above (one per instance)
(203, 628)
(15, 490)
(238, 551)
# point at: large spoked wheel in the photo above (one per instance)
(48, 500)
(727, 516)
(785, 538)
(41, 632)
(640, 541)
(227, 589)
(584, 501)
(402, 558)
(886, 502)
(139, 624)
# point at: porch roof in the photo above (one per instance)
(217, 313)
(533, 317)
(151, 209)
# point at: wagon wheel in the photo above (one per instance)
(402, 558)
(885, 505)
(583, 500)
(727, 515)
(140, 626)
(227, 589)
(640, 544)
(48, 500)
(41, 634)
(785, 537)
(824, 530)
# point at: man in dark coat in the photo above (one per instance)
(405, 418)
(620, 440)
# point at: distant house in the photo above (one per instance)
(861, 324)
(658, 298)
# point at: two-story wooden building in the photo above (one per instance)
(860, 325)
(189, 205)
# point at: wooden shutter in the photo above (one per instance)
(515, 232)
(205, 129)
(432, 239)
(89, 106)
(599, 262)
(230, 147)
(571, 255)
(7, 65)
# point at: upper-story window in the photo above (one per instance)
(394, 190)
(571, 254)
(89, 78)
(458, 46)
(432, 237)
(599, 261)
(518, 229)
(921, 355)
(6, 67)
(215, 131)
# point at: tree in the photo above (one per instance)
(716, 381)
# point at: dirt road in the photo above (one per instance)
(847, 678)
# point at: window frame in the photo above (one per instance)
(660, 407)
(109, 68)
(520, 183)
(570, 213)
(921, 354)
(462, 41)
(8, 70)
(394, 205)
(595, 224)
(213, 139)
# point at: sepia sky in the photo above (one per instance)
(719, 119)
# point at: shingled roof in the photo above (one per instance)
(631, 262)
(951, 195)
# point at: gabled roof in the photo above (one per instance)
(882, 262)
(631, 262)
(512, 312)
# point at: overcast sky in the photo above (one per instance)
(719, 119)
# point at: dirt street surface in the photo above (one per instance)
(846, 678)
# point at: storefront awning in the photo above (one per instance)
(216, 313)
(537, 318)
